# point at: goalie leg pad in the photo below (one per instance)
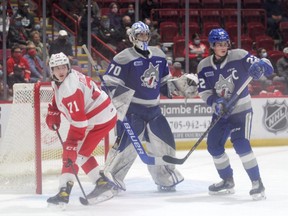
(161, 142)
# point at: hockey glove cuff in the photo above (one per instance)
(53, 118)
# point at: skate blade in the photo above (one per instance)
(101, 198)
(259, 196)
(61, 206)
(222, 192)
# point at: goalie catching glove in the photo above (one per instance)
(185, 86)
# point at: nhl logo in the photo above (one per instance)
(276, 116)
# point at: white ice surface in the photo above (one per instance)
(191, 198)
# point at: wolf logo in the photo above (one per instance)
(275, 116)
(150, 76)
(224, 87)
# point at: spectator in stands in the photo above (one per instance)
(62, 44)
(108, 33)
(155, 36)
(125, 42)
(36, 39)
(197, 51)
(74, 8)
(27, 18)
(18, 70)
(17, 34)
(95, 22)
(282, 67)
(36, 64)
(146, 8)
(275, 15)
(131, 12)
(114, 16)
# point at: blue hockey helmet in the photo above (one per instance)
(218, 35)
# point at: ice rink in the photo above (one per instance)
(191, 198)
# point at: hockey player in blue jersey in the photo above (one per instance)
(220, 76)
(143, 69)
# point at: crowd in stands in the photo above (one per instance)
(110, 21)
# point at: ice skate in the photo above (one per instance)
(103, 191)
(166, 189)
(224, 187)
(62, 198)
(258, 190)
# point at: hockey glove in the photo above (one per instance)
(257, 69)
(221, 108)
(53, 118)
(69, 153)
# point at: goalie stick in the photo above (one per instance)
(174, 160)
(126, 125)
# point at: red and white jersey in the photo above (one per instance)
(80, 100)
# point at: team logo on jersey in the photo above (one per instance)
(209, 73)
(138, 63)
(276, 116)
(150, 76)
(224, 87)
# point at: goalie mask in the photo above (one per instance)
(58, 60)
(139, 35)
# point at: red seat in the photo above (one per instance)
(8, 54)
(255, 29)
(211, 16)
(232, 29)
(193, 28)
(169, 15)
(105, 11)
(265, 42)
(169, 3)
(275, 55)
(211, 3)
(249, 4)
(254, 16)
(229, 3)
(246, 42)
(192, 3)
(178, 46)
(193, 15)
(168, 30)
(208, 26)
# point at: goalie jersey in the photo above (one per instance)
(223, 80)
(144, 75)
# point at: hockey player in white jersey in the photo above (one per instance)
(145, 70)
(220, 76)
(91, 115)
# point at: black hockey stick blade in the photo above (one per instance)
(83, 201)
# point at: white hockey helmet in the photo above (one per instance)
(57, 60)
(136, 29)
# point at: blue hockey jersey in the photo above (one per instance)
(144, 75)
(223, 80)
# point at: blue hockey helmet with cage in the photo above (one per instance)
(137, 28)
(218, 35)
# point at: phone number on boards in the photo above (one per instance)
(189, 124)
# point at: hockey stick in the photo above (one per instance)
(126, 125)
(174, 160)
(84, 200)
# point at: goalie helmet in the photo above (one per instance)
(136, 29)
(57, 60)
(218, 35)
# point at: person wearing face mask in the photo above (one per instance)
(18, 70)
(131, 12)
(114, 17)
(62, 44)
(197, 51)
(17, 34)
(35, 63)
